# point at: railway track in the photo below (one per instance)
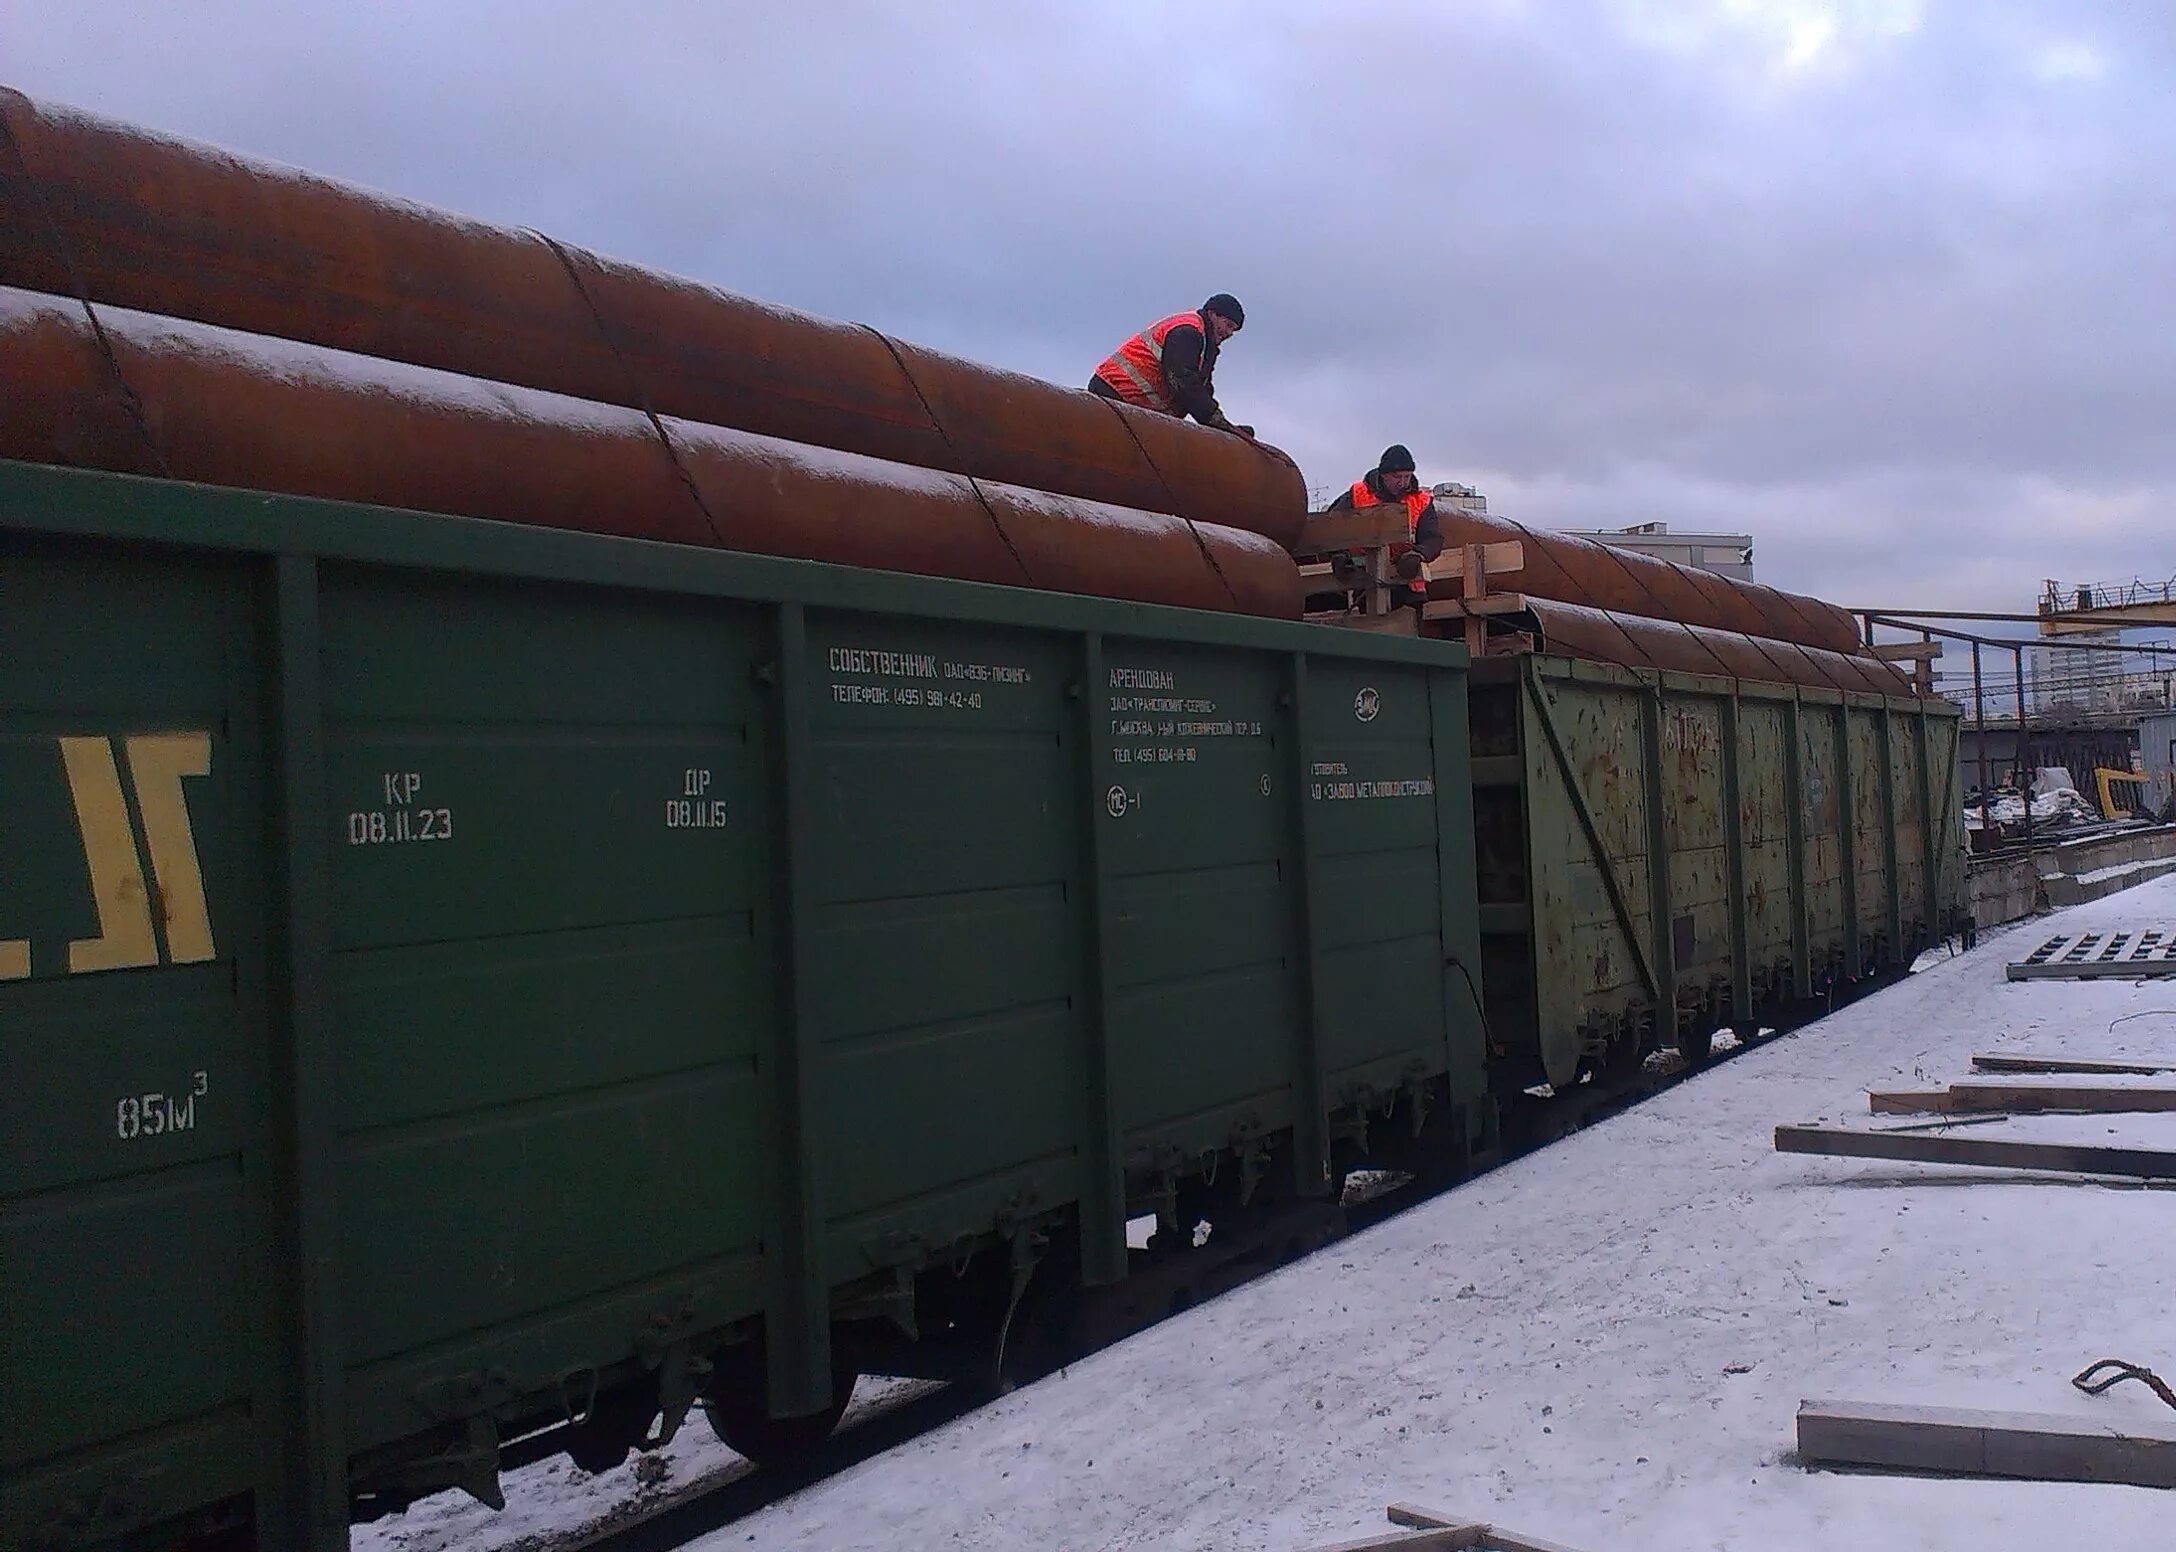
(717, 1501)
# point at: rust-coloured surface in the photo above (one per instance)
(1671, 645)
(161, 225)
(1595, 634)
(226, 408)
(1573, 570)
(1633, 641)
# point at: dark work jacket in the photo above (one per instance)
(1189, 370)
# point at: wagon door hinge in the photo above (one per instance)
(1028, 1243)
(467, 1402)
(1416, 1095)
(892, 1300)
(1165, 1192)
(478, 1461)
(666, 1346)
(1253, 1165)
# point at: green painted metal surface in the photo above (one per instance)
(446, 966)
(1662, 856)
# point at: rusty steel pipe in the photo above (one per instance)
(224, 408)
(1636, 641)
(1573, 570)
(138, 220)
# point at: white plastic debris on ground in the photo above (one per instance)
(2060, 804)
(1605, 1344)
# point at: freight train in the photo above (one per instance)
(522, 915)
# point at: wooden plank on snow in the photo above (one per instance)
(2036, 1446)
(1982, 1098)
(1457, 1539)
(1985, 1152)
(1487, 1538)
(2023, 1062)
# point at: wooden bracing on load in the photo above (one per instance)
(1430, 1530)
(1368, 538)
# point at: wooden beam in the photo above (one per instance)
(1399, 623)
(1980, 1098)
(1908, 651)
(1487, 1538)
(1476, 563)
(1372, 529)
(1985, 1152)
(1461, 1538)
(2020, 1062)
(1380, 527)
(2038, 1447)
(1459, 608)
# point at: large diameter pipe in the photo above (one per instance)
(161, 225)
(1637, 641)
(189, 401)
(1573, 570)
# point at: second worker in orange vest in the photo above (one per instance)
(1392, 481)
(1169, 365)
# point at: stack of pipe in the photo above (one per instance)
(175, 310)
(1592, 600)
(166, 308)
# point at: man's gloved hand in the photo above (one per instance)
(1408, 565)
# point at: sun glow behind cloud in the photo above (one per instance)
(1787, 37)
(2072, 60)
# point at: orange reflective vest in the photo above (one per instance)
(1135, 370)
(1415, 502)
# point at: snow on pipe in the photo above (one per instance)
(189, 401)
(1636, 641)
(133, 219)
(1573, 570)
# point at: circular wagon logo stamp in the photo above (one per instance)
(1115, 801)
(1366, 704)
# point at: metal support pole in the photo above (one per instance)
(2024, 780)
(1979, 726)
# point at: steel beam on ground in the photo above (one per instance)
(1990, 1098)
(2019, 1061)
(1981, 1152)
(2040, 1447)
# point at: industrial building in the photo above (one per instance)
(1725, 554)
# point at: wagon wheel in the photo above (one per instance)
(617, 1422)
(1695, 1048)
(741, 1417)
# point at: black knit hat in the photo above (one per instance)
(1225, 305)
(1396, 460)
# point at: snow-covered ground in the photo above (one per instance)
(554, 1501)
(1605, 1344)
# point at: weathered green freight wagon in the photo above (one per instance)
(1798, 840)
(458, 979)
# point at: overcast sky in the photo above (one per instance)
(1889, 283)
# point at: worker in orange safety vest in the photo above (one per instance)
(1169, 365)
(1393, 481)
